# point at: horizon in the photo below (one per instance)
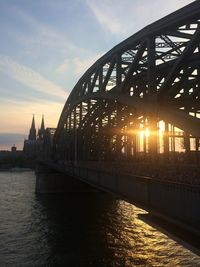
(46, 47)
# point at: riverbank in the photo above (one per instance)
(16, 169)
(15, 165)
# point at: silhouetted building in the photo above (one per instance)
(41, 131)
(40, 139)
(13, 149)
(39, 144)
(48, 142)
(30, 144)
(11, 158)
(32, 133)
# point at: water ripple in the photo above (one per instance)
(78, 230)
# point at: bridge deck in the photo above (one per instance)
(188, 174)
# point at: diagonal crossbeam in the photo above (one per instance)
(165, 88)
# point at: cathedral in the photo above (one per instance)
(33, 146)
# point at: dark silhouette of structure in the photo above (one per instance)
(34, 145)
(30, 143)
(13, 149)
(149, 83)
(41, 131)
(40, 139)
(131, 125)
(32, 133)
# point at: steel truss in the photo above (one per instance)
(152, 76)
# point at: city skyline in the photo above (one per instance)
(47, 46)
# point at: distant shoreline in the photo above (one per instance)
(16, 169)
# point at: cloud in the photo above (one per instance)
(29, 77)
(123, 18)
(81, 65)
(78, 65)
(17, 115)
(41, 35)
(63, 67)
(107, 19)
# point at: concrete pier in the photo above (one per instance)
(49, 181)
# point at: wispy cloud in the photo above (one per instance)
(36, 36)
(122, 18)
(107, 17)
(29, 77)
(77, 65)
(81, 65)
(18, 114)
(62, 68)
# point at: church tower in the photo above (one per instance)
(30, 144)
(41, 131)
(32, 133)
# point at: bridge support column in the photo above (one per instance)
(197, 149)
(52, 182)
(187, 146)
(153, 131)
(166, 141)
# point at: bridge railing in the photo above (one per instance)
(177, 172)
(177, 202)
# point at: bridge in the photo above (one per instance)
(131, 124)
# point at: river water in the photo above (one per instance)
(89, 229)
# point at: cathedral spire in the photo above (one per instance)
(42, 128)
(33, 123)
(32, 133)
(41, 131)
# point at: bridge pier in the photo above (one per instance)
(49, 181)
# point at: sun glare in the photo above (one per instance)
(144, 134)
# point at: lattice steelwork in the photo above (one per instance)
(139, 97)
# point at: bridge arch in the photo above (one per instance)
(150, 77)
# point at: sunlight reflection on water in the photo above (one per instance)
(78, 230)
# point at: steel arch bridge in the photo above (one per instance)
(139, 97)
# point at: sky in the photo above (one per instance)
(47, 45)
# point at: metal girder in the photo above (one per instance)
(182, 59)
(145, 72)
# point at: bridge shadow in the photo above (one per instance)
(185, 238)
(76, 229)
(96, 229)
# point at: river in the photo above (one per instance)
(88, 229)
